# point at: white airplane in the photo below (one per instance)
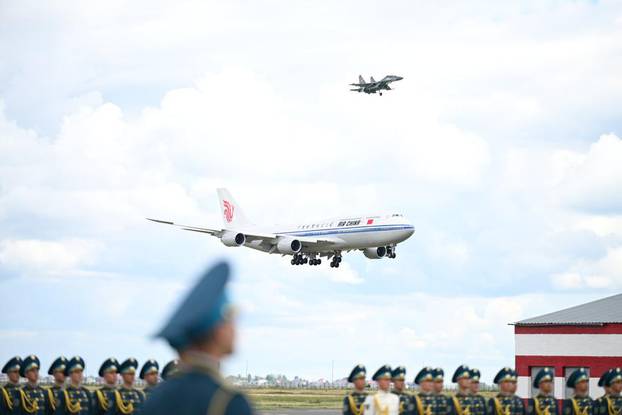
(377, 236)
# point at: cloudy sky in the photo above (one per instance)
(502, 145)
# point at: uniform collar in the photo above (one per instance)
(580, 396)
(194, 360)
(505, 395)
(543, 396)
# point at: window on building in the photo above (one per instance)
(567, 372)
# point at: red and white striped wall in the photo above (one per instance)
(597, 348)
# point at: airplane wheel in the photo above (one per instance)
(304, 261)
(319, 261)
(381, 94)
(338, 259)
(337, 265)
(332, 265)
(293, 261)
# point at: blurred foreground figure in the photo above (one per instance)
(353, 402)
(202, 330)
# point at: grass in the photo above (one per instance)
(270, 398)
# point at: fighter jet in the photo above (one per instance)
(374, 86)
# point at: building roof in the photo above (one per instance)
(603, 311)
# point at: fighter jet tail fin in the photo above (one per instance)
(361, 80)
(371, 79)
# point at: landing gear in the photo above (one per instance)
(380, 93)
(391, 252)
(335, 261)
(299, 259)
(314, 261)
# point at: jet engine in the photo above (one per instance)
(375, 253)
(232, 239)
(289, 246)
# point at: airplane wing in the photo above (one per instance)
(214, 232)
(269, 238)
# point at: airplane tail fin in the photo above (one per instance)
(361, 80)
(232, 214)
(371, 79)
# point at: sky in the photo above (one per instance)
(502, 145)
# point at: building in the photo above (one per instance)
(588, 335)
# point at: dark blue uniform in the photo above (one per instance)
(461, 404)
(52, 395)
(479, 405)
(33, 400)
(196, 391)
(126, 401)
(506, 405)
(542, 405)
(430, 404)
(579, 406)
(353, 403)
(103, 399)
(407, 403)
(75, 400)
(10, 399)
(609, 405)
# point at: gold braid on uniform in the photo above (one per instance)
(611, 408)
(459, 410)
(576, 408)
(28, 404)
(124, 408)
(52, 399)
(380, 410)
(539, 411)
(72, 407)
(419, 405)
(7, 398)
(103, 401)
(355, 410)
(500, 410)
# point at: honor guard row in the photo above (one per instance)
(67, 396)
(429, 400)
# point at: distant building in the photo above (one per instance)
(588, 335)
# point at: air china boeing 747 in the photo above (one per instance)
(376, 235)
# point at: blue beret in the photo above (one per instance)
(59, 364)
(204, 308)
(129, 366)
(109, 364)
(427, 373)
(505, 374)
(475, 374)
(359, 371)
(461, 372)
(577, 376)
(438, 374)
(29, 362)
(544, 375)
(13, 364)
(75, 363)
(170, 369)
(149, 367)
(399, 373)
(615, 375)
(383, 373)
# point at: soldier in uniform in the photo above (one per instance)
(544, 403)
(425, 400)
(611, 404)
(506, 402)
(442, 404)
(462, 402)
(601, 383)
(75, 399)
(202, 330)
(127, 399)
(407, 403)
(170, 369)
(353, 401)
(149, 373)
(479, 402)
(33, 396)
(383, 402)
(10, 395)
(57, 371)
(104, 396)
(580, 403)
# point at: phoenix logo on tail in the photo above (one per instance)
(228, 211)
(376, 236)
